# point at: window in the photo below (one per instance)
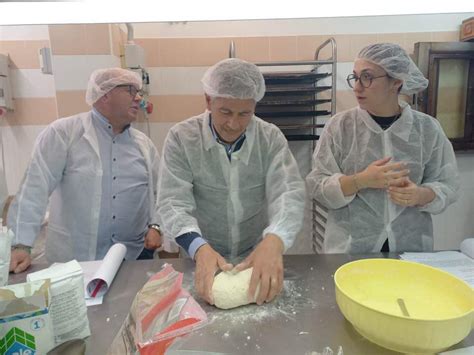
(449, 66)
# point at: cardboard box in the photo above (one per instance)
(467, 30)
(25, 323)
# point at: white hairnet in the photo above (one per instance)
(234, 79)
(104, 80)
(396, 62)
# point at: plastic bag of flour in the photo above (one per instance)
(161, 311)
(6, 237)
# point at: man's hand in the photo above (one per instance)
(267, 262)
(208, 261)
(405, 192)
(152, 239)
(20, 260)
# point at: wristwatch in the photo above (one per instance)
(22, 247)
(155, 227)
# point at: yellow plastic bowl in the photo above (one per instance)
(405, 306)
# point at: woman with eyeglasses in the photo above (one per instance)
(382, 168)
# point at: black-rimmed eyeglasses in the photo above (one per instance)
(132, 90)
(365, 79)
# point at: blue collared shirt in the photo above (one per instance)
(229, 147)
(125, 203)
(192, 241)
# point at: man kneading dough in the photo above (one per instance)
(229, 186)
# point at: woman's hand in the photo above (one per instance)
(405, 192)
(380, 173)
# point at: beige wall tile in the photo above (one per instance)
(185, 52)
(23, 54)
(150, 46)
(32, 111)
(412, 38)
(283, 48)
(398, 38)
(80, 39)
(252, 49)
(175, 52)
(97, 39)
(343, 44)
(176, 108)
(117, 42)
(67, 39)
(306, 46)
(71, 102)
(208, 51)
(452, 36)
(360, 41)
(326, 51)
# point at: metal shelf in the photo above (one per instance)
(292, 114)
(297, 89)
(291, 102)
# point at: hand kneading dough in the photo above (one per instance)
(231, 290)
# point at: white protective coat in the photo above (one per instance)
(362, 222)
(66, 165)
(232, 204)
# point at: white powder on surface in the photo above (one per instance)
(239, 328)
(289, 303)
(230, 325)
(236, 326)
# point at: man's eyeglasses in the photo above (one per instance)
(132, 90)
(365, 79)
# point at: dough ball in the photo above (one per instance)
(231, 290)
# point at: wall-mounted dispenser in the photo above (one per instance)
(45, 60)
(6, 101)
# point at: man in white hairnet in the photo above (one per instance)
(382, 169)
(101, 175)
(229, 185)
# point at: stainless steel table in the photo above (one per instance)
(303, 319)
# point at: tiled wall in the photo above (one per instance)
(32, 92)
(77, 51)
(177, 56)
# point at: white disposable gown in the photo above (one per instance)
(232, 204)
(66, 165)
(362, 222)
